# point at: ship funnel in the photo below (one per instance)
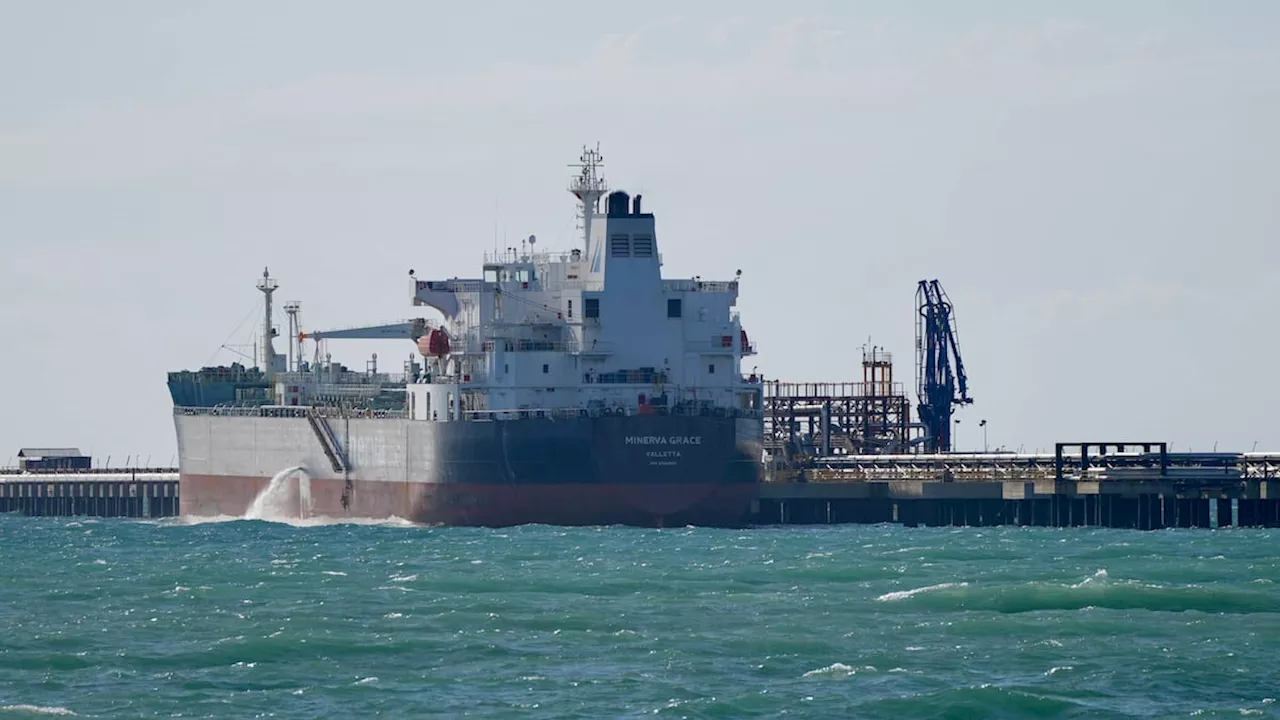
(619, 203)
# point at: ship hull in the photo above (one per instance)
(635, 470)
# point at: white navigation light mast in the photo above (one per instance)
(588, 187)
(268, 286)
(291, 309)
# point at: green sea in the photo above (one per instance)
(130, 619)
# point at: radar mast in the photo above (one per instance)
(588, 186)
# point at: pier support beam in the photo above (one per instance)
(1224, 512)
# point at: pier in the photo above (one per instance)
(1117, 485)
(1139, 486)
(133, 493)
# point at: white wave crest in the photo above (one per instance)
(904, 594)
(314, 521)
(37, 709)
(836, 670)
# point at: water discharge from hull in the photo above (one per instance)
(278, 500)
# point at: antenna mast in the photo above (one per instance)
(268, 286)
(588, 187)
(291, 309)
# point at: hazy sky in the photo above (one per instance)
(1094, 183)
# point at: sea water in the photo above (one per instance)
(246, 618)
(276, 500)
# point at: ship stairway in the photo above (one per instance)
(328, 441)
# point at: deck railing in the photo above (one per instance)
(275, 411)
(290, 411)
(700, 285)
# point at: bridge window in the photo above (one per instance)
(674, 307)
(591, 307)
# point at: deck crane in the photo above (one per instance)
(938, 388)
(404, 330)
(407, 330)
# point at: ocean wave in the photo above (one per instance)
(979, 701)
(838, 670)
(308, 522)
(36, 710)
(906, 594)
(1096, 591)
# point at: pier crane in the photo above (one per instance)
(937, 347)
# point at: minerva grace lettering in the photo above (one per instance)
(664, 440)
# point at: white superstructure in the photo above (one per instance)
(595, 328)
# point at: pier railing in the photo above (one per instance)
(1216, 468)
(113, 473)
(822, 391)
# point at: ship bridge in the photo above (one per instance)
(596, 325)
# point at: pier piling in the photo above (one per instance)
(151, 493)
(1101, 487)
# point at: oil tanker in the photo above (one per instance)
(575, 387)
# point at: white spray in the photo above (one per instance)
(274, 500)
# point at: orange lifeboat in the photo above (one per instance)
(435, 343)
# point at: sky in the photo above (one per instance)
(1093, 183)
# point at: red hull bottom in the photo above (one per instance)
(656, 505)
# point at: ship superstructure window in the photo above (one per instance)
(591, 307)
(620, 246)
(570, 309)
(642, 246)
(674, 307)
(545, 368)
(711, 369)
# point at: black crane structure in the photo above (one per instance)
(937, 347)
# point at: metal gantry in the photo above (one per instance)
(811, 420)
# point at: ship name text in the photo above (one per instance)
(664, 440)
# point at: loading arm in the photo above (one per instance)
(937, 352)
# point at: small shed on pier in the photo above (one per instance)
(43, 459)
